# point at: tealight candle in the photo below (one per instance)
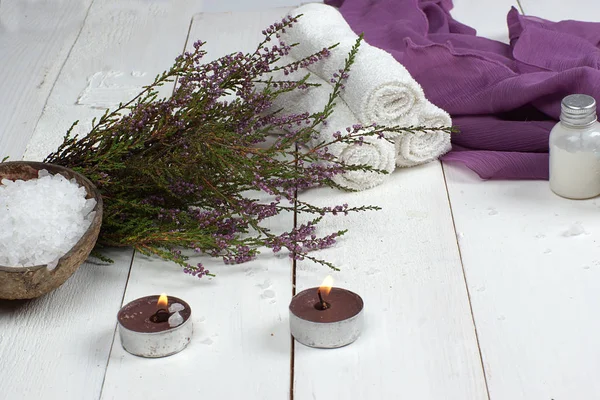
(155, 326)
(326, 317)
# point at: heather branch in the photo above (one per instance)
(175, 172)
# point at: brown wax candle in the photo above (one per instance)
(135, 316)
(342, 304)
(144, 335)
(337, 325)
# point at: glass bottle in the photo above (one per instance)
(575, 149)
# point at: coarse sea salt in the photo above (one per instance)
(575, 230)
(176, 307)
(41, 219)
(175, 320)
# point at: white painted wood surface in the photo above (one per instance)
(57, 346)
(35, 40)
(487, 17)
(80, 317)
(122, 47)
(241, 344)
(533, 290)
(557, 10)
(218, 6)
(419, 341)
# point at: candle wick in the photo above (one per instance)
(324, 305)
(161, 315)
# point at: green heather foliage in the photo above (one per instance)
(192, 172)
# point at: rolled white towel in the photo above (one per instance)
(375, 152)
(421, 147)
(379, 89)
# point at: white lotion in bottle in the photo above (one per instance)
(575, 149)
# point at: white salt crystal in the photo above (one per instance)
(41, 219)
(175, 320)
(176, 307)
(268, 294)
(89, 206)
(575, 230)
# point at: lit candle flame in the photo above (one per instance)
(163, 301)
(325, 287)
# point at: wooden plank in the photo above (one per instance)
(69, 334)
(557, 10)
(57, 346)
(531, 284)
(35, 39)
(419, 341)
(241, 5)
(241, 346)
(533, 287)
(427, 347)
(488, 17)
(123, 46)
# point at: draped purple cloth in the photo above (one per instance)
(503, 98)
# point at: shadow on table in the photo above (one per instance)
(7, 306)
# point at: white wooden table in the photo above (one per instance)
(471, 289)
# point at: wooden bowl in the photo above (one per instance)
(31, 282)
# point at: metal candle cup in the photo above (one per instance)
(142, 337)
(337, 325)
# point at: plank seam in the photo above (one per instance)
(116, 325)
(87, 13)
(294, 265)
(465, 282)
(187, 37)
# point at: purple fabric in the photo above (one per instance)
(502, 164)
(503, 98)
